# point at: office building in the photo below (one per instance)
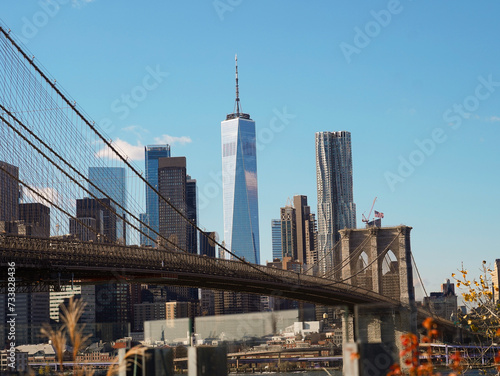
(111, 314)
(177, 233)
(336, 208)
(96, 220)
(85, 229)
(239, 183)
(311, 239)
(19, 363)
(150, 218)
(207, 302)
(147, 312)
(103, 212)
(306, 230)
(9, 192)
(32, 312)
(58, 297)
(444, 303)
(85, 293)
(207, 248)
(207, 243)
(177, 310)
(192, 214)
(36, 217)
(296, 234)
(172, 185)
(231, 302)
(276, 238)
(109, 182)
(288, 232)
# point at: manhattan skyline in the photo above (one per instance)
(420, 102)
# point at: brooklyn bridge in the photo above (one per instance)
(49, 144)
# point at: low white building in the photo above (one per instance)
(303, 328)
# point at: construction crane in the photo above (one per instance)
(367, 219)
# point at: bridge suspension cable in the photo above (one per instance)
(382, 254)
(41, 107)
(352, 255)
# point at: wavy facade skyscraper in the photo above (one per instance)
(239, 183)
(336, 207)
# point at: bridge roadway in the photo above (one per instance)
(52, 261)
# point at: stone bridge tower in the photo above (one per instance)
(379, 259)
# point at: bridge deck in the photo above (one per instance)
(49, 260)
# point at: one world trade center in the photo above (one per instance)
(239, 182)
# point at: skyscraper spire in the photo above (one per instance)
(237, 102)
(237, 111)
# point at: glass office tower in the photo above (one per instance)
(276, 238)
(111, 181)
(239, 184)
(152, 154)
(336, 208)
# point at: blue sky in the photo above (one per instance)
(396, 74)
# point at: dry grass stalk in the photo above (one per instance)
(72, 329)
(128, 361)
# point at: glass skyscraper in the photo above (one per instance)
(276, 238)
(239, 184)
(111, 181)
(336, 208)
(152, 154)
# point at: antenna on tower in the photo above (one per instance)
(237, 111)
(237, 102)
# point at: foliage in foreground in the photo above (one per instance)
(72, 330)
(483, 318)
(421, 364)
(483, 315)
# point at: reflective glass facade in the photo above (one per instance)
(111, 180)
(276, 238)
(239, 182)
(336, 208)
(152, 154)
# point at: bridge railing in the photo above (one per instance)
(60, 254)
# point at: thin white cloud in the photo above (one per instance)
(136, 130)
(80, 3)
(489, 119)
(133, 152)
(44, 195)
(172, 140)
(494, 118)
